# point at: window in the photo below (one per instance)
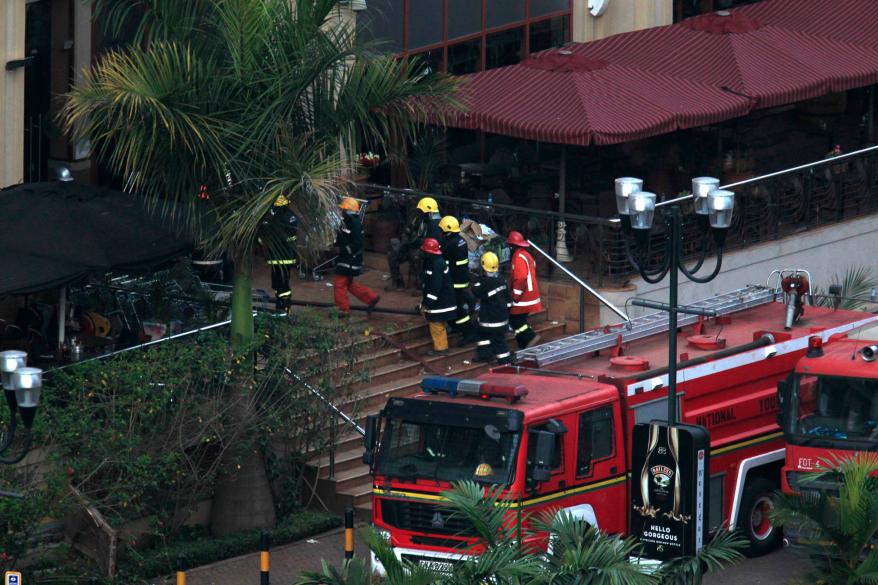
(504, 48)
(465, 57)
(431, 60)
(546, 34)
(595, 438)
(425, 23)
(544, 7)
(464, 18)
(471, 35)
(382, 21)
(503, 12)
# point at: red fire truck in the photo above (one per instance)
(555, 429)
(830, 405)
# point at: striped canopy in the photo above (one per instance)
(700, 71)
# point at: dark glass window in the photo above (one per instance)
(425, 23)
(502, 12)
(543, 7)
(383, 21)
(595, 438)
(431, 60)
(504, 48)
(464, 18)
(465, 57)
(546, 34)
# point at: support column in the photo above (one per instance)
(11, 93)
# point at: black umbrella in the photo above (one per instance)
(52, 234)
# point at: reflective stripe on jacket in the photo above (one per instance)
(525, 291)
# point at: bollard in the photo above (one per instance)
(264, 545)
(349, 533)
(181, 570)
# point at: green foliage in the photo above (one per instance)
(837, 529)
(20, 518)
(856, 284)
(580, 554)
(162, 560)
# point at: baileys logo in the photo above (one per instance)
(661, 475)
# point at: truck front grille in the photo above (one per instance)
(428, 518)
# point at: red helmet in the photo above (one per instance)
(516, 239)
(431, 246)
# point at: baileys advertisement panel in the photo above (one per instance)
(670, 466)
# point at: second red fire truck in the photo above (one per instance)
(555, 429)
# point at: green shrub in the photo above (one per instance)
(205, 550)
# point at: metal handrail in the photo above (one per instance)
(326, 401)
(478, 203)
(581, 283)
(825, 161)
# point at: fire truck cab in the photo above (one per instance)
(830, 405)
(555, 429)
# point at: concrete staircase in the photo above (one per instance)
(392, 372)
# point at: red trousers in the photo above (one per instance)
(343, 284)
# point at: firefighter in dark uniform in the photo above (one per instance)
(493, 315)
(456, 253)
(279, 237)
(423, 224)
(438, 303)
(349, 263)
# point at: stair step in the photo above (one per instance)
(349, 458)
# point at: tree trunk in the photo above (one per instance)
(242, 499)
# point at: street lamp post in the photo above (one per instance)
(21, 386)
(636, 209)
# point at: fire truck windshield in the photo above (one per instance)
(421, 450)
(829, 411)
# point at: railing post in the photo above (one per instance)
(582, 310)
(181, 570)
(349, 533)
(332, 449)
(264, 561)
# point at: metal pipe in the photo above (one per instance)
(326, 401)
(833, 160)
(581, 282)
(147, 344)
(766, 339)
(672, 316)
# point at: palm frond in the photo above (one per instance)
(856, 283)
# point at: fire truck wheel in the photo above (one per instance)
(753, 520)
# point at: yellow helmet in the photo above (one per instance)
(281, 201)
(449, 223)
(484, 470)
(350, 204)
(490, 262)
(428, 205)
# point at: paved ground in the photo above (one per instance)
(288, 561)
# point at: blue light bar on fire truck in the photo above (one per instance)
(483, 389)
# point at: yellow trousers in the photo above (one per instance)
(439, 335)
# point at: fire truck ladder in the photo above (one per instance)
(640, 327)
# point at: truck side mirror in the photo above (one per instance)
(783, 392)
(544, 452)
(370, 439)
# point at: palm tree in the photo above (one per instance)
(255, 99)
(579, 553)
(837, 529)
(856, 283)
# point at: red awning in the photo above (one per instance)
(701, 71)
(569, 99)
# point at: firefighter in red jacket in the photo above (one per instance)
(524, 291)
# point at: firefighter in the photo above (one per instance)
(524, 291)
(349, 263)
(456, 253)
(279, 228)
(423, 224)
(438, 303)
(493, 316)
